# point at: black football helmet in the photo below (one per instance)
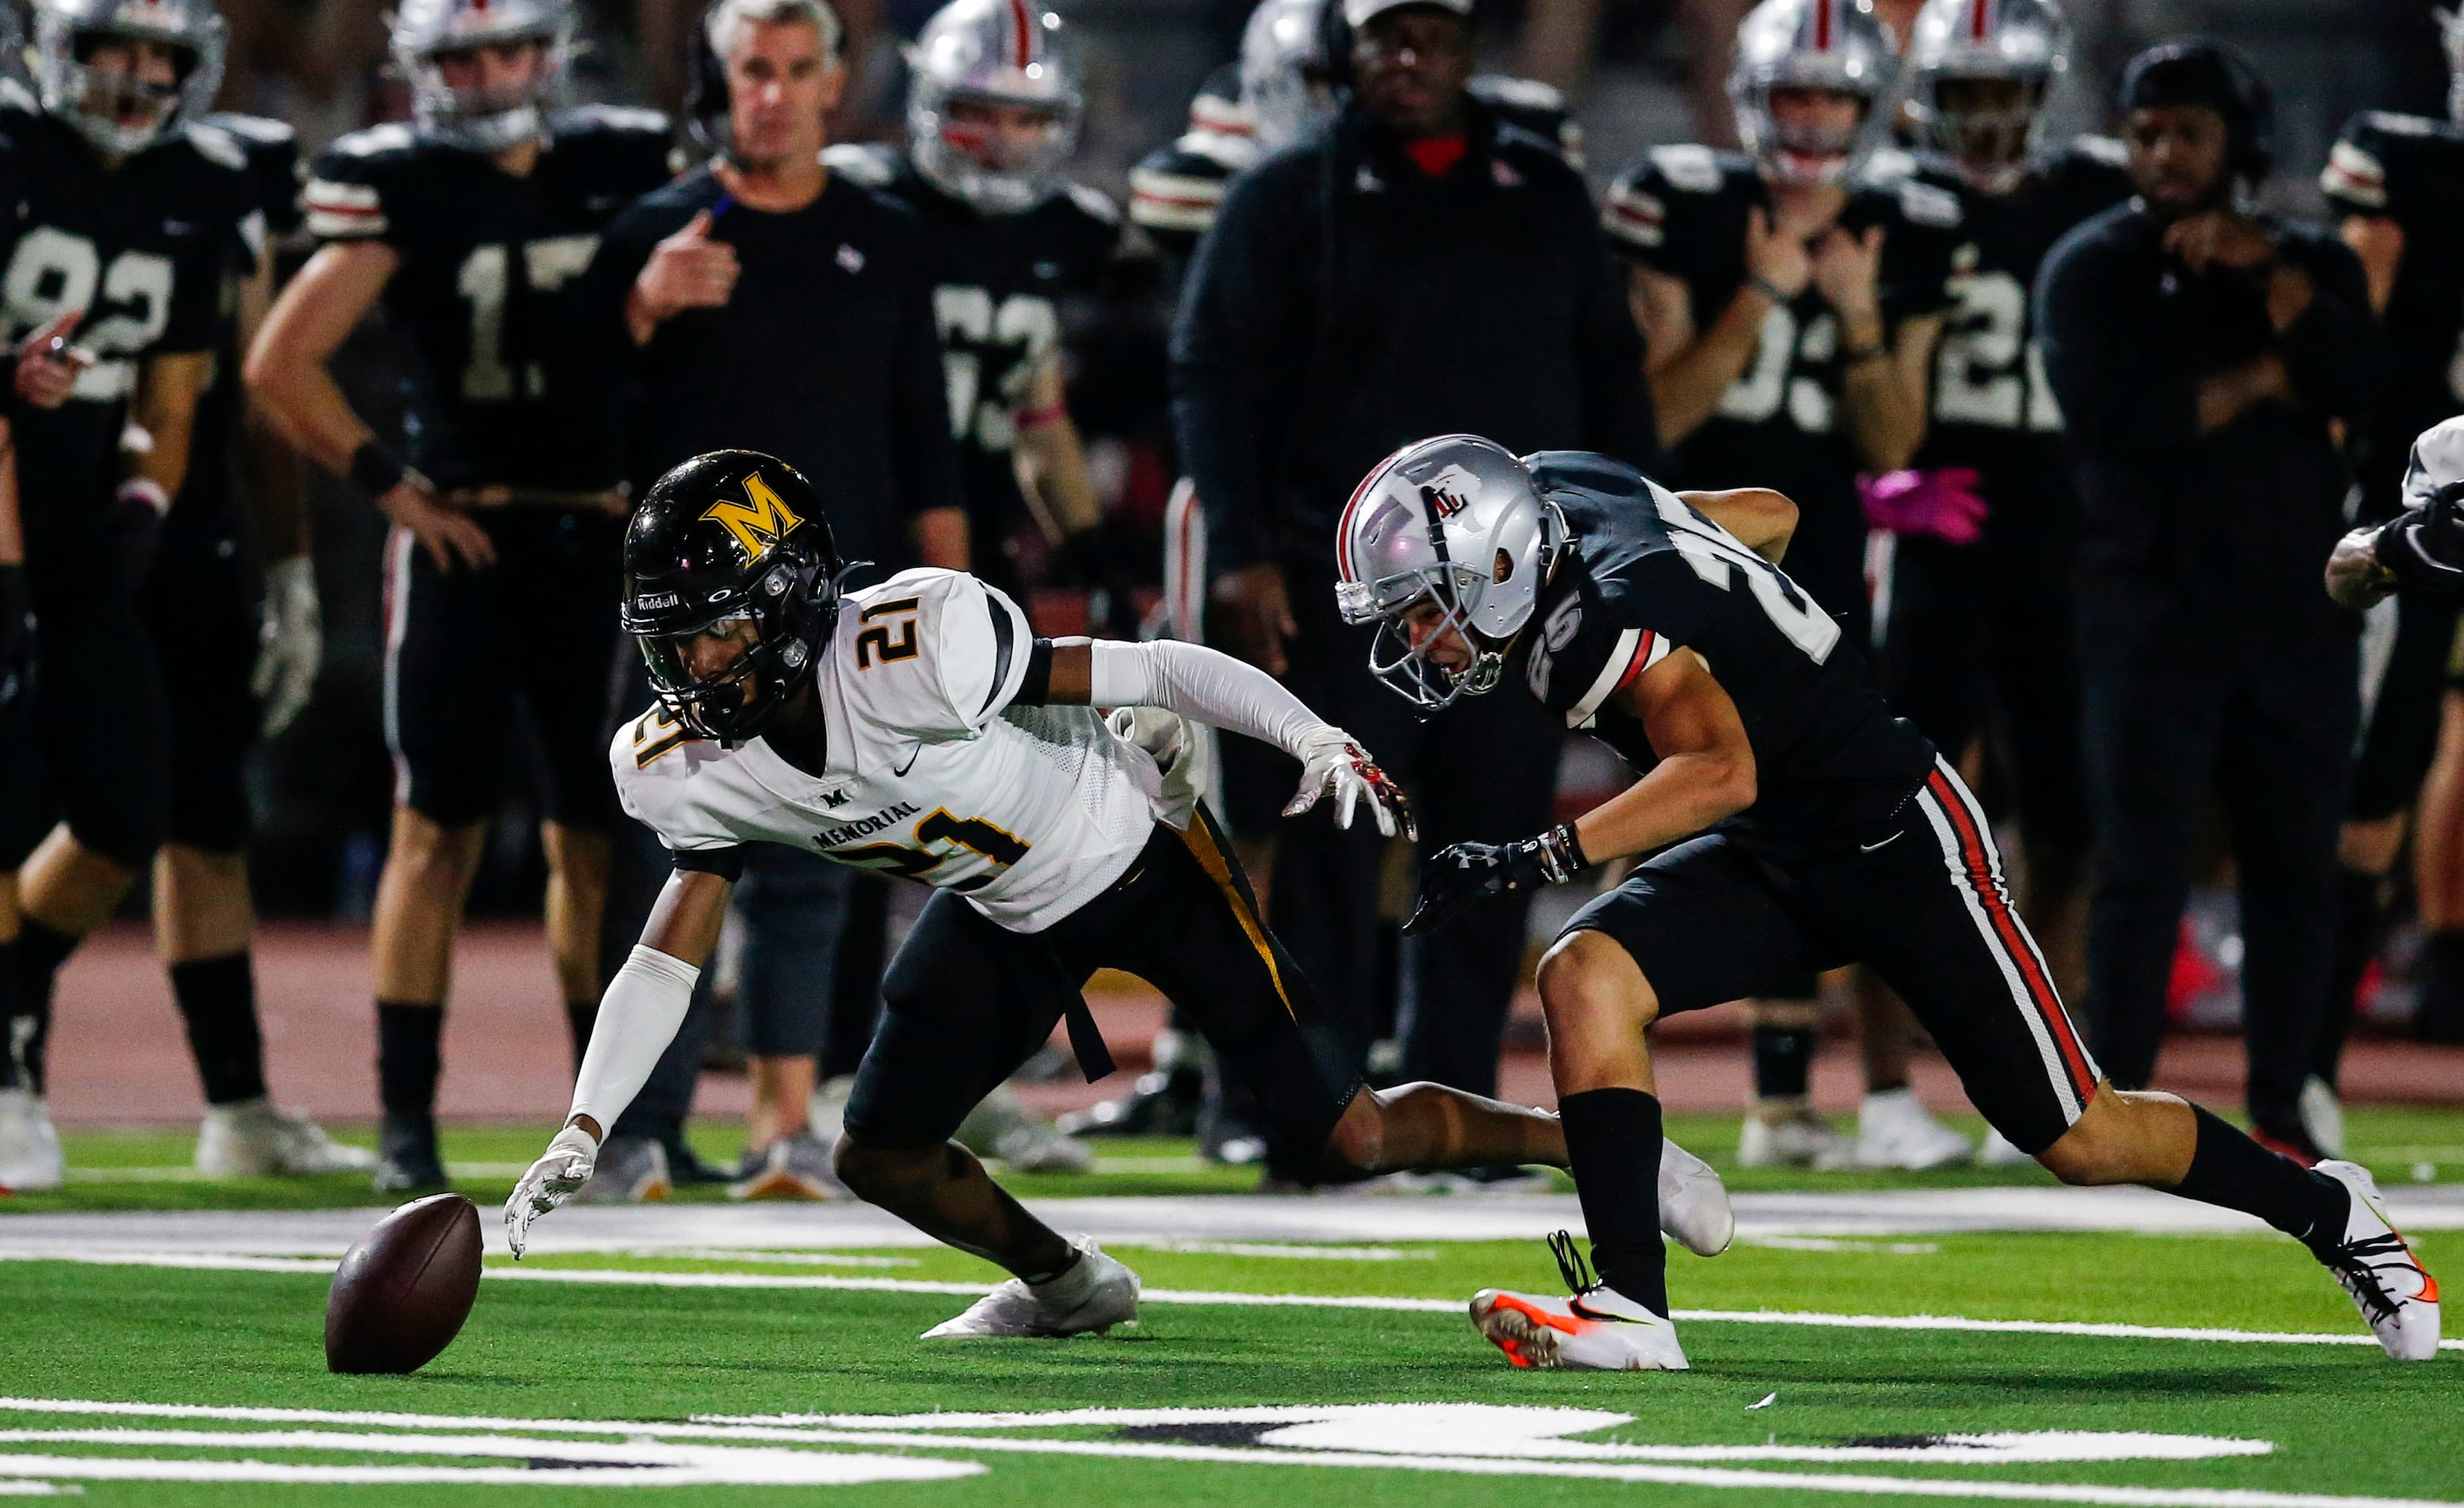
(734, 535)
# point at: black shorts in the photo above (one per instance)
(538, 629)
(967, 1000)
(197, 610)
(1924, 907)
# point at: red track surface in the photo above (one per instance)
(119, 1058)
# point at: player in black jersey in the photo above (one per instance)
(229, 676)
(472, 228)
(122, 214)
(2398, 182)
(1792, 299)
(990, 130)
(1784, 821)
(1976, 611)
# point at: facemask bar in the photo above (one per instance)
(1395, 660)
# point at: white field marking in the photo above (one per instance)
(1315, 1254)
(10, 1489)
(735, 1254)
(1149, 1165)
(184, 1173)
(1824, 1243)
(632, 1463)
(1669, 1475)
(205, 1262)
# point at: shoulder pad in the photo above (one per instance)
(946, 676)
(873, 165)
(216, 145)
(2354, 177)
(613, 120)
(377, 141)
(1096, 204)
(1520, 94)
(1693, 169)
(1174, 189)
(15, 95)
(2388, 122)
(1925, 204)
(254, 130)
(1216, 105)
(654, 761)
(2105, 151)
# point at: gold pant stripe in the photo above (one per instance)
(1201, 840)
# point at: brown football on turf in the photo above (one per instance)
(402, 1293)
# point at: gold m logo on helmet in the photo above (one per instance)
(759, 521)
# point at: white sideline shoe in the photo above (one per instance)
(1693, 1202)
(1002, 1126)
(1998, 1152)
(2322, 1116)
(1790, 1133)
(30, 1149)
(2387, 1284)
(1096, 1294)
(1597, 1329)
(1893, 1130)
(254, 1139)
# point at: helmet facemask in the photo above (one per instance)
(1809, 152)
(995, 55)
(973, 157)
(483, 117)
(1411, 669)
(116, 109)
(1987, 126)
(790, 611)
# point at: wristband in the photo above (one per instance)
(1038, 418)
(377, 469)
(1561, 854)
(1768, 289)
(146, 491)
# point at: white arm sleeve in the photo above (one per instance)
(1201, 685)
(638, 1017)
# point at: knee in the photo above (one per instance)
(875, 1174)
(1585, 974)
(440, 859)
(1358, 1140)
(2099, 1148)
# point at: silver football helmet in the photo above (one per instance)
(992, 51)
(116, 111)
(1454, 520)
(2451, 36)
(1834, 44)
(479, 118)
(2023, 43)
(1283, 78)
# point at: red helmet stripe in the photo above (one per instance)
(1021, 22)
(1343, 526)
(1823, 25)
(1980, 20)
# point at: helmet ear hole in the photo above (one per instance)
(1502, 567)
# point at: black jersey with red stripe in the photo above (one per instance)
(1646, 576)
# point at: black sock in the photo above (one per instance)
(40, 952)
(580, 1017)
(217, 999)
(1613, 1150)
(1783, 1056)
(2230, 1170)
(407, 1056)
(2439, 1013)
(2359, 929)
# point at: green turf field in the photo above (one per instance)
(575, 1389)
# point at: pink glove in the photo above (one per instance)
(1944, 504)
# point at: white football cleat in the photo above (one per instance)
(1997, 1151)
(1002, 1126)
(1597, 1329)
(1790, 1133)
(2387, 1284)
(254, 1139)
(1096, 1294)
(1893, 1130)
(30, 1160)
(1693, 1202)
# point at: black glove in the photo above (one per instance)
(16, 644)
(2424, 547)
(1102, 568)
(1468, 872)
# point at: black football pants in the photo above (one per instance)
(2176, 707)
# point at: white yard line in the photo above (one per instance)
(620, 1278)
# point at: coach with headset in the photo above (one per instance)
(2203, 354)
(1417, 267)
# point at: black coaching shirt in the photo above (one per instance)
(1648, 575)
(825, 357)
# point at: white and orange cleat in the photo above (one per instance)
(2388, 1285)
(1597, 1329)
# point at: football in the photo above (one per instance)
(402, 1293)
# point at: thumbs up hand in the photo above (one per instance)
(686, 270)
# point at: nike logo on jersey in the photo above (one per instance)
(901, 771)
(863, 826)
(1875, 849)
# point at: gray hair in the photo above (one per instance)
(727, 19)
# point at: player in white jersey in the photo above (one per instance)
(920, 727)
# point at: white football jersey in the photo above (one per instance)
(1029, 812)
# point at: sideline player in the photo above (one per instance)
(1980, 618)
(2397, 182)
(472, 228)
(1792, 822)
(920, 727)
(124, 212)
(1792, 299)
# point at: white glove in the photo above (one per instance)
(567, 1164)
(1171, 742)
(291, 642)
(1332, 763)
